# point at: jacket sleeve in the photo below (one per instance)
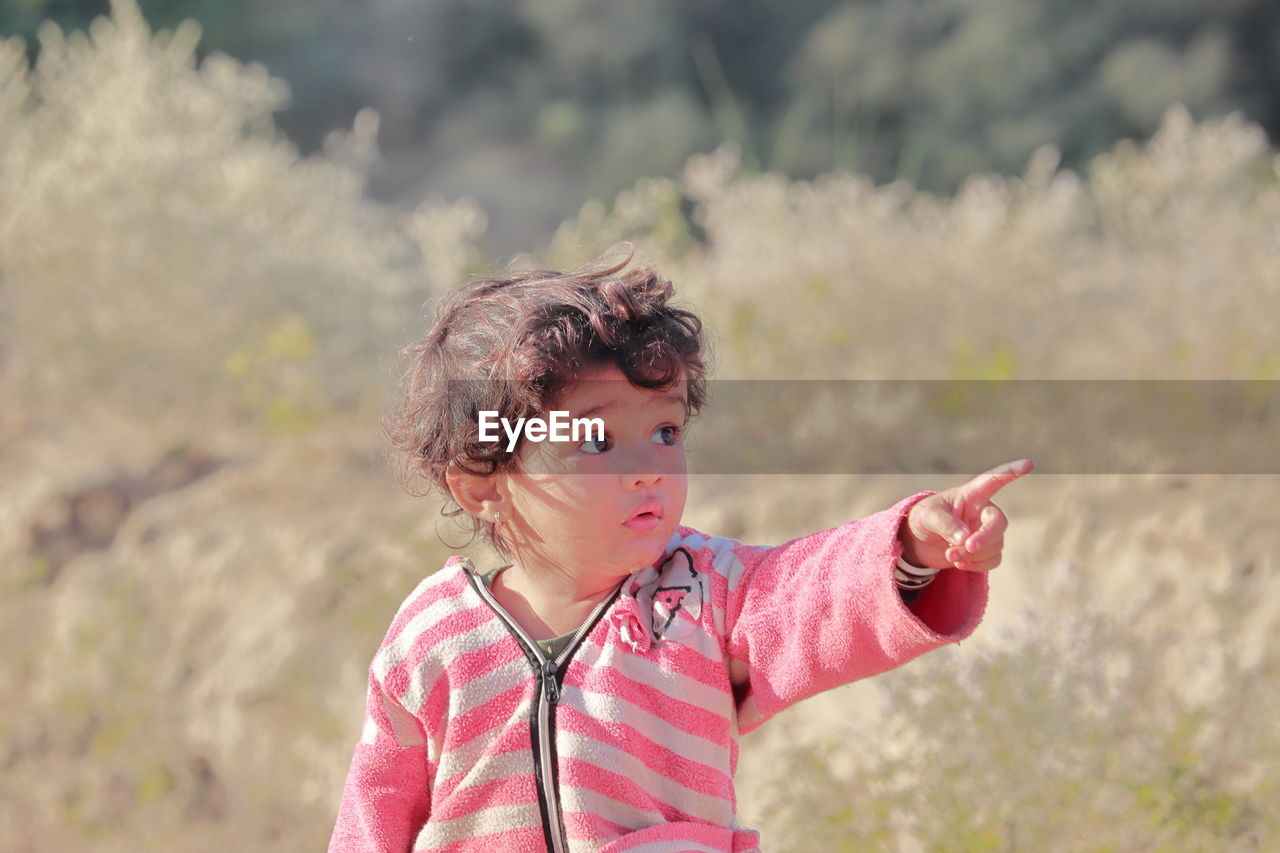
(823, 610)
(386, 799)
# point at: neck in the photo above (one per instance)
(548, 601)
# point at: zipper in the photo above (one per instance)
(544, 742)
(549, 673)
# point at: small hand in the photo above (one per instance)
(961, 527)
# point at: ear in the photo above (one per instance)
(479, 495)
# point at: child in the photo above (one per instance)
(589, 695)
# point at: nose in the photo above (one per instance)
(642, 469)
(645, 480)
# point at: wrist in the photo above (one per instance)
(908, 576)
(908, 542)
(910, 573)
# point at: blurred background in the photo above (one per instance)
(219, 221)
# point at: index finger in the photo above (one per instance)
(988, 483)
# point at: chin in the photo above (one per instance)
(646, 549)
(654, 552)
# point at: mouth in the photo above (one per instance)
(646, 516)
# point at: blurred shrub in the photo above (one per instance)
(154, 227)
(930, 91)
(1156, 263)
(272, 387)
(1083, 732)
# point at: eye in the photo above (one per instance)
(595, 446)
(668, 435)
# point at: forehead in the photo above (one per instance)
(607, 388)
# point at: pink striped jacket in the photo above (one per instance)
(628, 739)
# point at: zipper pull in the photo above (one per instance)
(549, 682)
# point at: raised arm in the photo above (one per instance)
(823, 610)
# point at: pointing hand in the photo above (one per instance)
(961, 527)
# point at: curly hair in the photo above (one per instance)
(512, 344)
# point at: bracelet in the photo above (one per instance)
(907, 576)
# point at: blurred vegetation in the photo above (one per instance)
(158, 235)
(1082, 736)
(189, 604)
(1155, 263)
(534, 107)
(162, 245)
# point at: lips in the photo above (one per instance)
(646, 515)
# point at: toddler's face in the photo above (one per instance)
(606, 506)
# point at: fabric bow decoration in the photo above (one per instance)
(652, 599)
(632, 625)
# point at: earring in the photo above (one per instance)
(497, 519)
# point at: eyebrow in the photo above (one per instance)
(668, 399)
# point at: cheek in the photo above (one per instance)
(565, 500)
(574, 490)
(679, 489)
